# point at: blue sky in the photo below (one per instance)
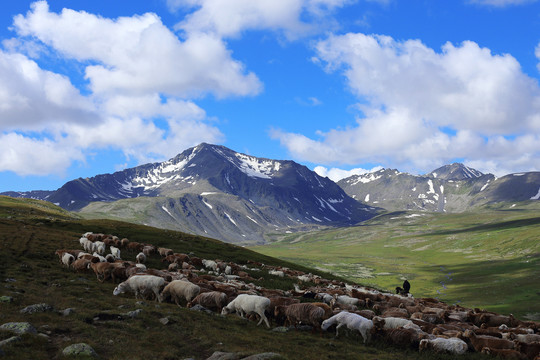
(342, 86)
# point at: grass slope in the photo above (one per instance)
(30, 232)
(488, 259)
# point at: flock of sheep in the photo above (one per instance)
(226, 287)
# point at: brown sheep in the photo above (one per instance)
(305, 313)
(480, 341)
(213, 300)
(504, 353)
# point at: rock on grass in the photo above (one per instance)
(81, 350)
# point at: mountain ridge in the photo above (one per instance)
(214, 191)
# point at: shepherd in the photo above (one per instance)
(405, 290)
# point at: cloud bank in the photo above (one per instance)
(420, 108)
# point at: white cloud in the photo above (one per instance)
(336, 174)
(229, 18)
(31, 98)
(422, 108)
(501, 3)
(134, 55)
(138, 73)
(26, 156)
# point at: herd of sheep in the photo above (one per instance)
(226, 287)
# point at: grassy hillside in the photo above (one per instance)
(488, 259)
(30, 273)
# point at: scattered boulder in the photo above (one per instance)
(80, 350)
(9, 341)
(262, 356)
(280, 329)
(219, 355)
(19, 328)
(67, 311)
(37, 308)
(133, 314)
(201, 308)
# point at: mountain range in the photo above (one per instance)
(213, 191)
(450, 188)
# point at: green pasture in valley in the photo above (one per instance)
(489, 258)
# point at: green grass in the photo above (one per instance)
(31, 232)
(488, 259)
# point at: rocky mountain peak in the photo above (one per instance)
(455, 171)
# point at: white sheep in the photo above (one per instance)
(245, 304)
(139, 284)
(67, 259)
(394, 322)
(180, 289)
(352, 321)
(101, 258)
(115, 252)
(345, 300)
(276, 273)
(210, 264)
(99, 247)
(325, 298)
(442, 345)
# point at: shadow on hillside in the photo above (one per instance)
(504, 225)
(506, 284)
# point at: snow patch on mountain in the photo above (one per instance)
(537, 196)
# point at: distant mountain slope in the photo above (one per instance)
(214, 191)
(452, 188)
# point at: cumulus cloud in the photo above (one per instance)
(138, 72)
(229, 18)
(336, 174)
(31, 98)
(139, 54)
(422, 108)
(28, 156)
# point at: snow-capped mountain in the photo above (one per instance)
(455, 171)
(451, 188)
(211, 190)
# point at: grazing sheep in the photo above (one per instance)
(103, 270)
(345, 300)
(352, 321)
(67, 259)
(525, 338)
(165, 251)
(532, 350)
(442, 345)
(324, 297)
(81, 265)
(140, 258)
(99, 247)
(305, 313)
(213, 300)
(276, 301)
(179, 290)
(210, 265)
(245, 304)
(115, 252)
(139, 284)
(392, 322)
(479, 341)
(404, 337)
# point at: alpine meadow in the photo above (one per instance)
(270, 179)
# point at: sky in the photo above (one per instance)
(341, 86)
